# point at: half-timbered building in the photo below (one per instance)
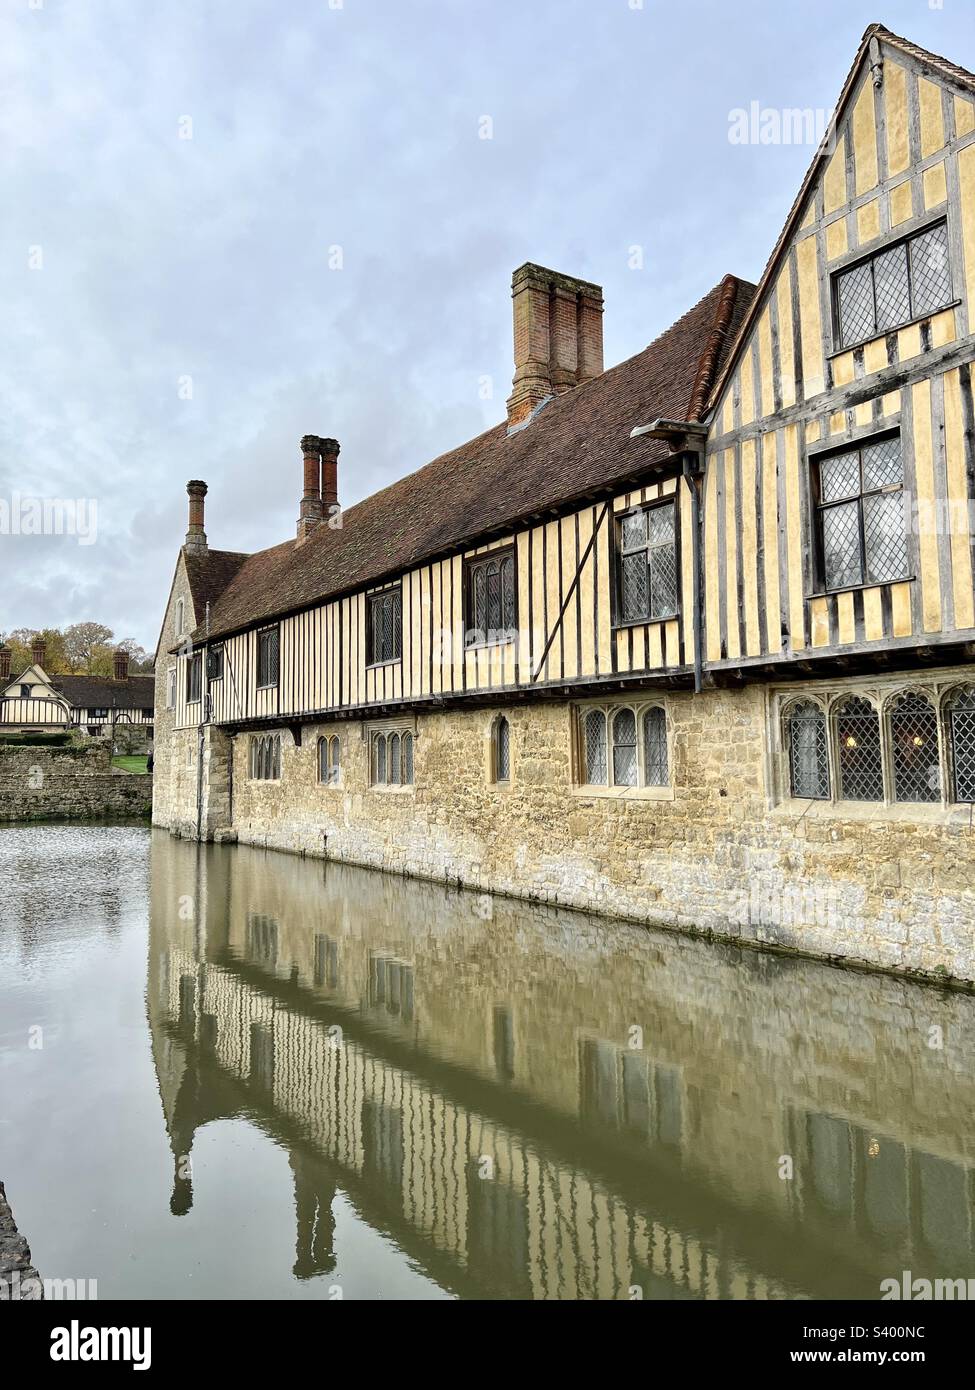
(688, 639)
(34, 702)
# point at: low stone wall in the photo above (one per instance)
(75, 783)
(131, 738)
(18, 1277)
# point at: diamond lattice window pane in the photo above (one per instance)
(493, 600)
(394, 759)
(508, 594)
(634, 530)
(808, 752)
(858, 741)
(962, 725)
(884, 537)
(636, 586)
(882, 465)
(914, 748)
(930, 270)
(663, 581)
(655, 748)
(407, 759)
(595, 738)
(841, 545)
(890, 280)
(839, 476)
(624, 748)
(381, 759)
(855, 302)
(660, 524)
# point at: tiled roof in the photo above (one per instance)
(100, 692)
(578, 445)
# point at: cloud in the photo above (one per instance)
(185, 321)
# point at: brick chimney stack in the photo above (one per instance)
(5, 658)
(330, 475)
(38, 651)
(558, 337)
(310, 510)
(196, 537)
(121, 664)
(320, 461)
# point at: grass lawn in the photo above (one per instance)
(130, 762)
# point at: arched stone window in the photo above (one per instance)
(913, 724)
(502, 750)
(656, 772)
(329, 761)
(178, 621)
(857, 726)
(961, 734)
(624, 748)
(594, 731)
(394, 760)
(407, 760)
(381, 759)
(808, 745)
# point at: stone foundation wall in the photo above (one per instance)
(18, 1277)
(77, 782)
(888, 887)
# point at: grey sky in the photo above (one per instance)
(355, 127)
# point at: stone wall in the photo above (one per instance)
(888, 887)
(18, 1278)
(76, 783)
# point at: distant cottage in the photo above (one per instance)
(688, 640)
(33, 701)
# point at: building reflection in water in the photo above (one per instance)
(543, 1105)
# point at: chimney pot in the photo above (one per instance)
(38, 651)
(558, 337)
(320, 496)
(330, 475)
(121, 664)
(196, 536)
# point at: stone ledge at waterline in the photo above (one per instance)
(74, 782)
(18, 1277)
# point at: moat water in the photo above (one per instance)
(226, 1073)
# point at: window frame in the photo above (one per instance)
(194, 678)
(264, 751)
(495, 769)
(939, 690)
(212, 653)
(472, 564)
(172, 687)
(609, 709)
(816, 458)
(378, 595)
(265, 633)
(384, 735)
(903, 237)
(332, 746)
(672, 500)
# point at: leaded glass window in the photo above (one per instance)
(265, 757)
(490, 599)
(901, 283)
(407, 760)
(808, 752)
(385, 626)
(861, 515)
(381, 759)
(656, 773)
(502, 750)
(329, 760)
(394, 760)
(594, 728)
(194, 677)
(624, 748)
(648, 563)
(267, 657)
(961, 728)
(913, 724)
(860, 759)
